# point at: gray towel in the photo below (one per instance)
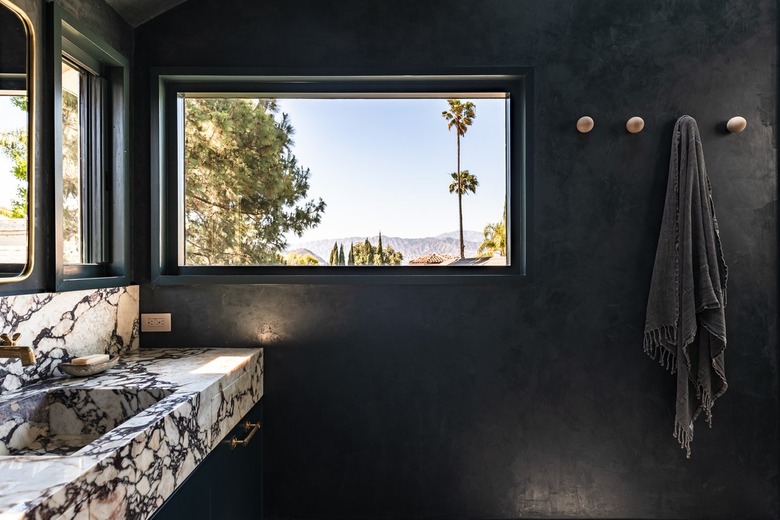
(688, 289)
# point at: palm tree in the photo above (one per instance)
(463, 183)
(460, 116)
(494, 238)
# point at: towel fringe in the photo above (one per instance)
(684, 437)
(706, 401)
(656, 346)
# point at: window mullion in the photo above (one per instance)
(84, 165)
(96, 173)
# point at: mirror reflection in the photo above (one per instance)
(15, 125)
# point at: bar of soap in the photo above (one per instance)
(89, 360)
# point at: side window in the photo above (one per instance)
(83, 168)
(91, 159)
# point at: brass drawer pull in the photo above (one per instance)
(252, 429)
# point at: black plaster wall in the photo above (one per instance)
(529, 400)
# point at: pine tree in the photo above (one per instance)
(341, 255)
(351, 260)
(244, 188)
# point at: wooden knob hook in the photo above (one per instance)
(736, 124)
(635, 124)
(585, 124)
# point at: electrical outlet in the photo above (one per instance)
(160, 322)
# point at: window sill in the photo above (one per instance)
(102, 282)
(383, 278)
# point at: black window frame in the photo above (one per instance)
(169, 84)
(105, 168)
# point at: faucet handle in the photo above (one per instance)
(9, 341)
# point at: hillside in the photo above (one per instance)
(304, 251)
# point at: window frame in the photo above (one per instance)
(105, 197)
(11, 274)
(167, 194)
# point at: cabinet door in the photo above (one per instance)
(237, 483)
(228, 484)
(192, 499)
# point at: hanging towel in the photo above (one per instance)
(688, 289)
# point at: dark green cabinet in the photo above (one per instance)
(228, 484)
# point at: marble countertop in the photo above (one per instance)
(132, 469)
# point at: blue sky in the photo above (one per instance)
(384, 165)
(11, 118)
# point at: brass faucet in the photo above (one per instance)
(8, 349)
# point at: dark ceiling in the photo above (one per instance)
(136, 12)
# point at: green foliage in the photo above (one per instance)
(244, 189)
(465, 184)
(351, 259)
(304, 259)
(366, 253)
(460, 116)
(380, 253)
(20, 102)
(13, 144)
(341, 255)
(494, 238)
(392, 257)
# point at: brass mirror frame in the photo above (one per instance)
(28, 28)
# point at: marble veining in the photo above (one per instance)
(129, 471)
(62, 421)
(61, 326)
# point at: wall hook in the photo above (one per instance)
(585, 124)
(736, 124)
(635, 124)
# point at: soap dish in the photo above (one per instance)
(88, 370)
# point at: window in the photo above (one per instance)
(91, 160)
(337, 178)
(83, 171)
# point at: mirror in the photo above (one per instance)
(16, 147)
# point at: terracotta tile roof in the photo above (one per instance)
(433, 259)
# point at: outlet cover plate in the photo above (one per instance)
(159, 322)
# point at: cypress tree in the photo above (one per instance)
(334, 255)
(380, 252)
(369, 253)
(341, 255)
(351, 259)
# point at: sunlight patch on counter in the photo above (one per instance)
(222, 365)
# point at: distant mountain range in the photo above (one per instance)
(410, 248)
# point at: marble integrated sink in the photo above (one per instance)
(128, 465)
(61, 421)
